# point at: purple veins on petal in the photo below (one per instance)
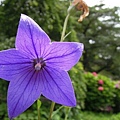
(30, 38)
(38, 66)
(23, 92)
(58, 87)
(12, 62)
(64, 55)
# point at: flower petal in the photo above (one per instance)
(31, 39)
(23, 92)
(12, 62)
(58, 87)
(63, 55)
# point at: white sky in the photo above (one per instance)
(108, 3)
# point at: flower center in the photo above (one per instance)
(39, 64)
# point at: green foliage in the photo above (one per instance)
(99, 99)
(48, 17)
(97, 116)
(7, 43)
(78, 80)
(3, 109)
(100, 34)
(117, 97)
(3, 94)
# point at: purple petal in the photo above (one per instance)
(31, 39)
(58, 87)
(12, 62)
(63, 55)
(23, 92)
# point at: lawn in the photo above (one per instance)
(98, 116)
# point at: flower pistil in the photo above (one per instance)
(39, 64)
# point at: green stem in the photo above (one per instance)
(61, 40)
(67, 112)
(51, 110)
(38, 108)
(64, 27)
(55, 112)
(38, 115)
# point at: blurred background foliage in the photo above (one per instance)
(100, 33)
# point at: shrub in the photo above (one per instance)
(78, 80)
(117, 97)
(100, 93)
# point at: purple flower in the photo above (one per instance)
(38, 66)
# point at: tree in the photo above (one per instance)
(99, 31)
(100, 34)
(48, 14)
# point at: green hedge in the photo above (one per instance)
(100, 93)
(78, 79)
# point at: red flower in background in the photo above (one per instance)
(100, 88)
(100, 82)
(94, 73)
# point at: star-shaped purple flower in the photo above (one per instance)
(38, 66)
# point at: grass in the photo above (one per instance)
(98, 116)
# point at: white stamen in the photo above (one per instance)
(38, 66)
